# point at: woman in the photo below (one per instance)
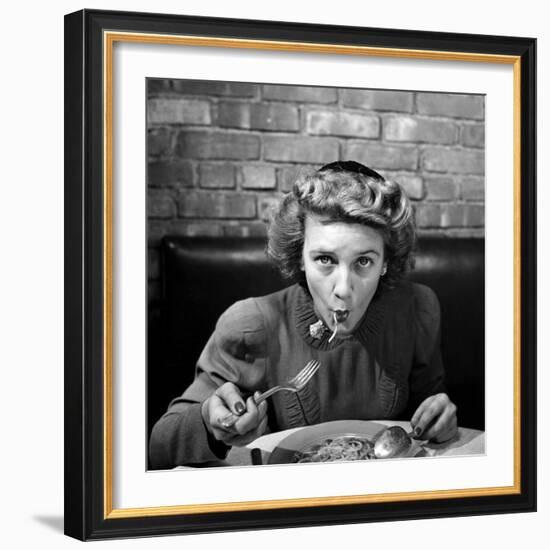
(346, 236)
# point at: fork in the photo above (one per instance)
(294, 384)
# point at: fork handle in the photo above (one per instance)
(229, 419)
(268, 393)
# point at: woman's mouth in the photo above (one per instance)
(340, 315)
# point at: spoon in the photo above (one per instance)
(392, 442)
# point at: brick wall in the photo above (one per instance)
(221, 154)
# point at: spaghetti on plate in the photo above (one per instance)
(337, 449)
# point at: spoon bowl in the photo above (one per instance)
(392, 442)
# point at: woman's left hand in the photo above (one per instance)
(435, 419)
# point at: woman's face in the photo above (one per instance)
(342, 263)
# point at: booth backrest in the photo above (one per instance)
(203, 276)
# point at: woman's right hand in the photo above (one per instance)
(227, 399)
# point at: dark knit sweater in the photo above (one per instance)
(389, 365)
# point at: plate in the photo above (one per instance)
(285, 451)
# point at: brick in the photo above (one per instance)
(430, 232)
(217, 176)
(172, 173)
(233, 115)
(246, 229)
(451, 160)
(375, 155)
(412, 185)
(258, 116)
(257, 177)
(160, 205)
(306, 94)
(338, 123)
(300, 149)
(274, 117)
(157, 229)
(453, 215)
(287, 176)
(153, 263)
(473, 189)
(428, 215)
(215, 88)
(420, 130)
(158, 85)
(465, 232)
(450, 105)
(195, 229)
(267, 206)
(441, 189)
(196, 204)
(159, 142)
(473, 135)
(178, 111)
(218, 145)
(378, 100)
(474, 215)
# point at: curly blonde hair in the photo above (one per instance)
(344, 191)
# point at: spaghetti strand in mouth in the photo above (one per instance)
(338, 316)
(335, 317)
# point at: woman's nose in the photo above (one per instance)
(343, 286)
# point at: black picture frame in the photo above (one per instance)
(87, 494)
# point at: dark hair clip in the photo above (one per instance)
(351, 166)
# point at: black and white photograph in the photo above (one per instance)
(315, 274)
(300, 275)
(270, 275)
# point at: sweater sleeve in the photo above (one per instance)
(427, 376)
(235, 352)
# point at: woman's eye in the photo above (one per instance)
(363, 261)
(325, 260)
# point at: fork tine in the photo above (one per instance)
(314, 369)
(309, 375)
(306, 373)
(300, 373)
(303, 372)
(296, 383)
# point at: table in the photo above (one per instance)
(467, 442)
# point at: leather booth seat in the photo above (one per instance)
(203, 276)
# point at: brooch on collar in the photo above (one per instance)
(317, 330)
